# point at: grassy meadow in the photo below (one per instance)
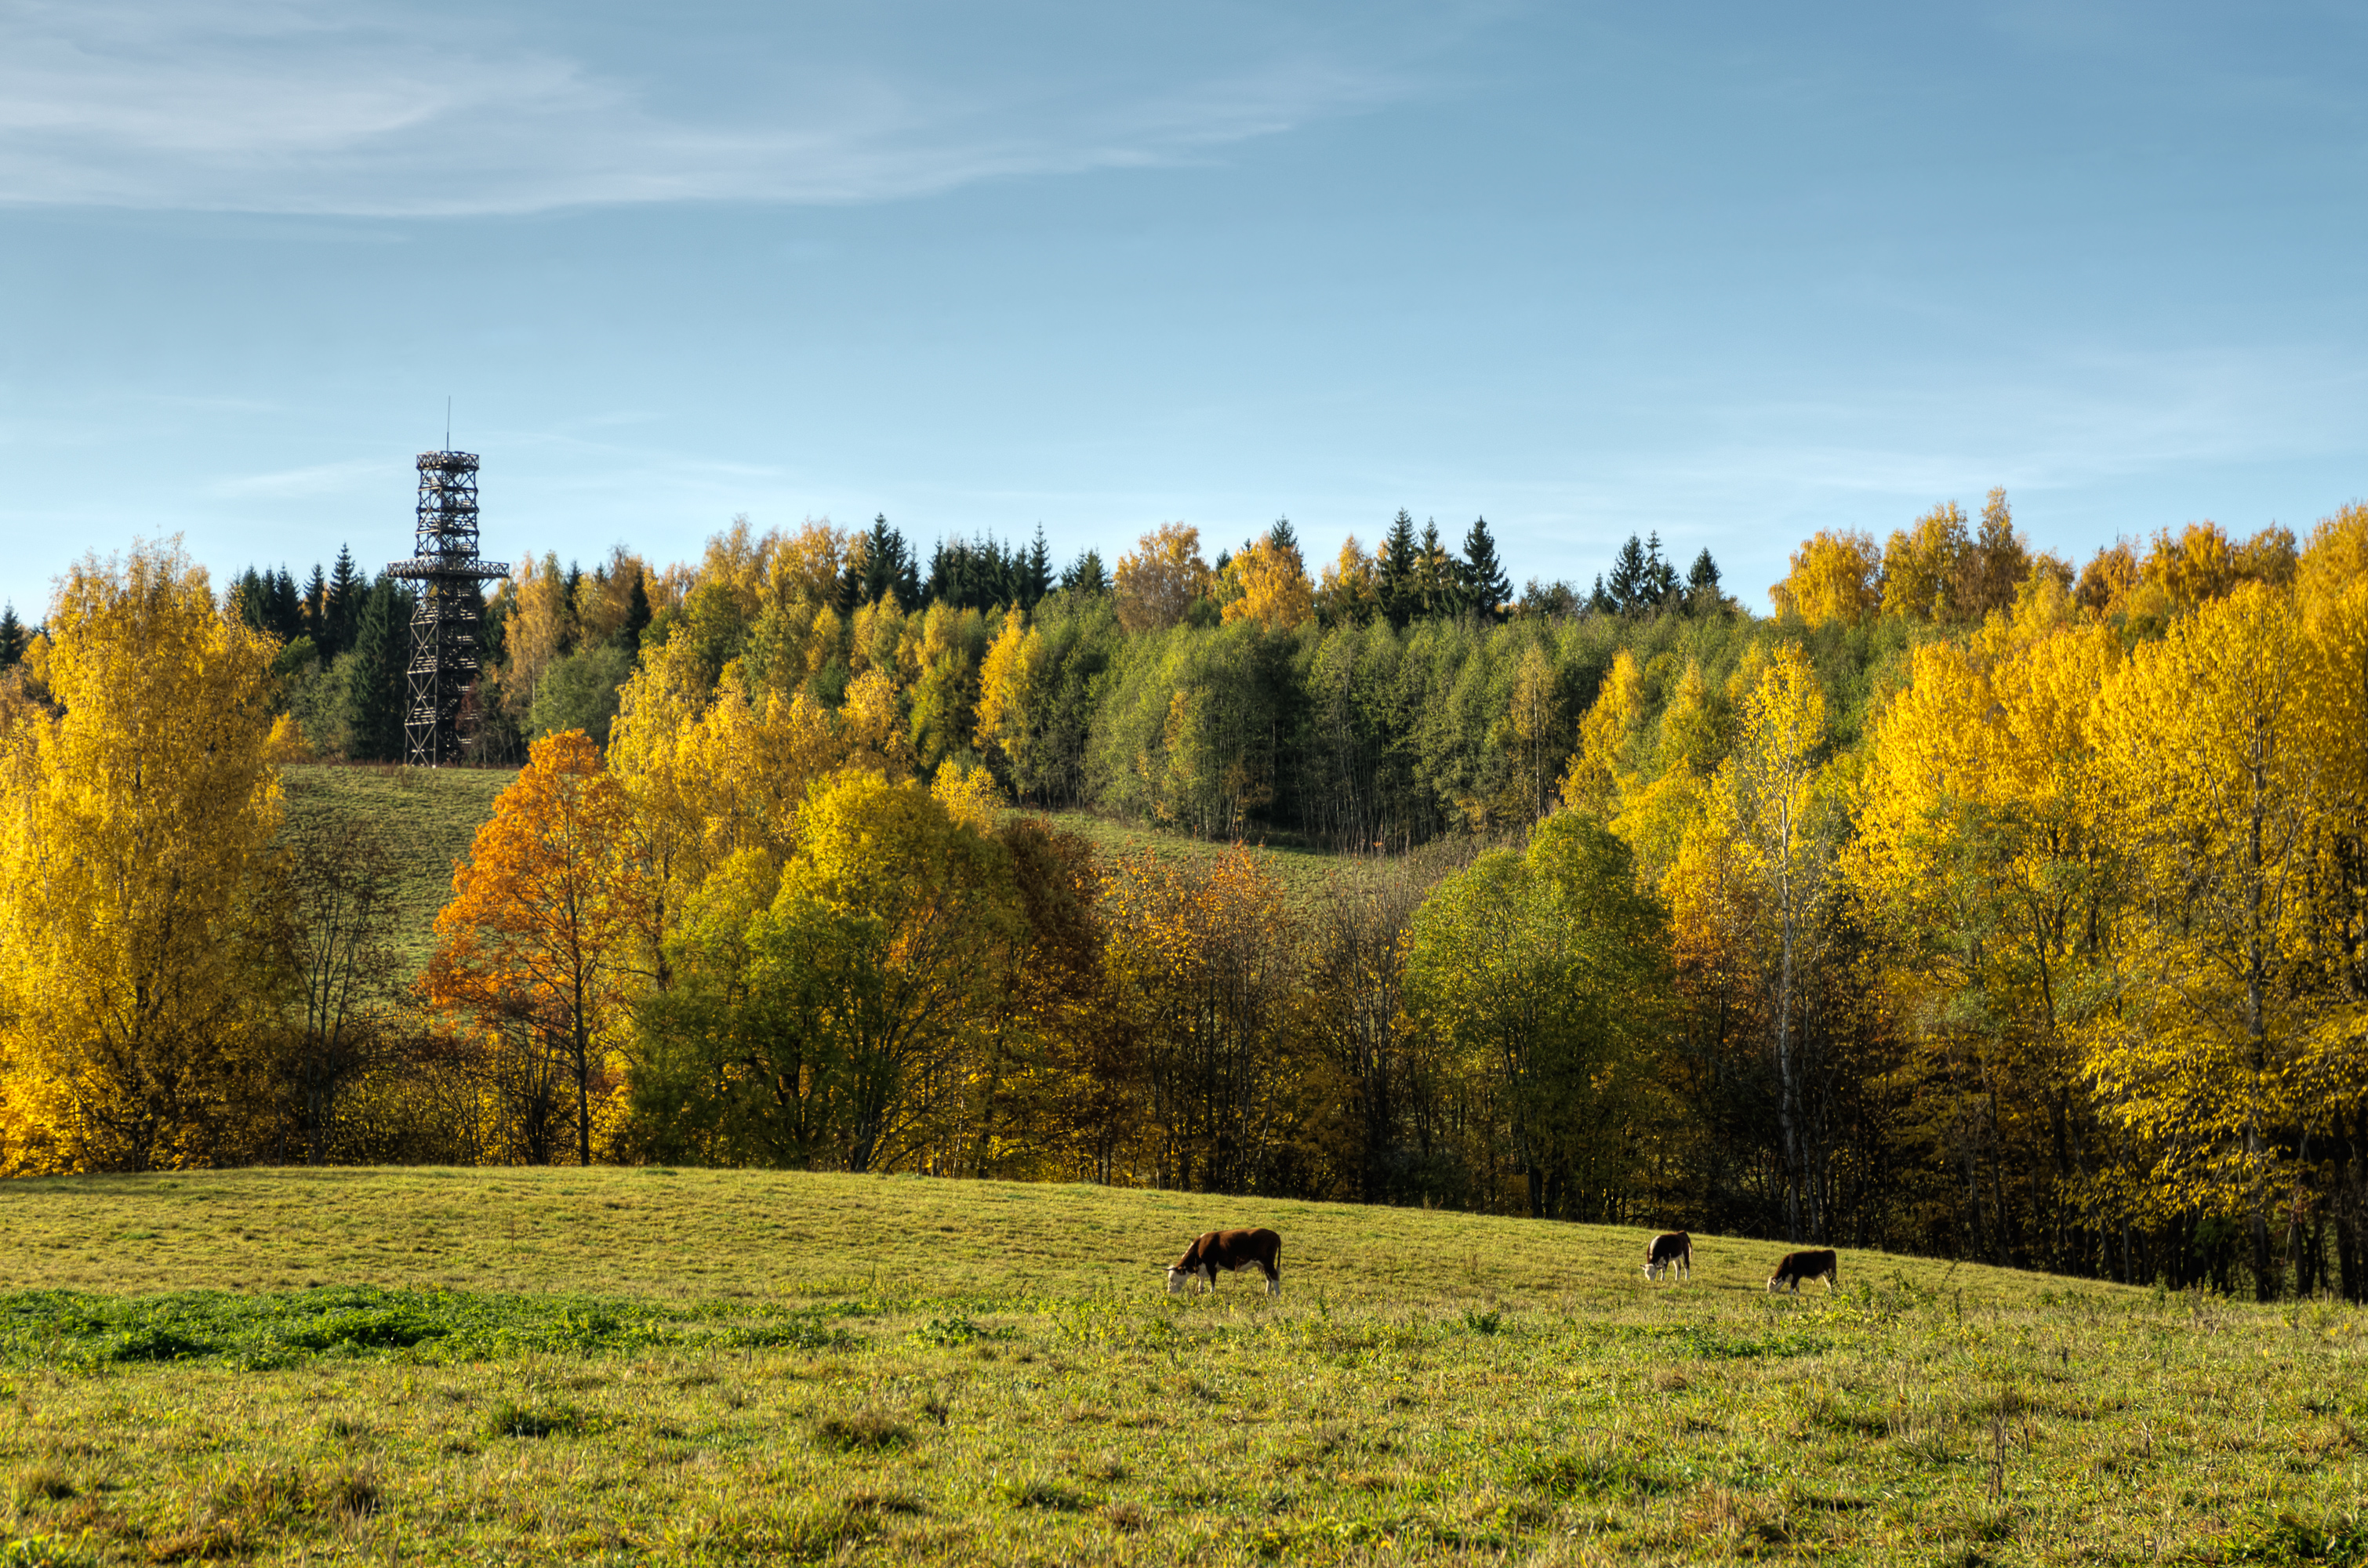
(661, 1367)
(425, 817)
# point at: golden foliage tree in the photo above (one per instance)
(136, 836)
(2222, 767)
(1007, 679)
(1350, 591)
(1271, 585)
(1920, 564)
(1835, 576)
(536, 632)
(1597, 771)
(1202, 972)
(1159, 578)
(1981, 855)
(1770, 805)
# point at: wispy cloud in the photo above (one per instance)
(318, 479)
(325, 106)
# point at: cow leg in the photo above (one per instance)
(1273, 1278)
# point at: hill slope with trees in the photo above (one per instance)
(1972, 904)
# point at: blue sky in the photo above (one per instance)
(1731, 272)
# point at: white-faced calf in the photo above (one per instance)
(1671, 1253)
(1228, 1250)
(1817, 1264)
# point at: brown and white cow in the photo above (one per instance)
(1671, 1253)
(1228, 1250)
(1815, 1264)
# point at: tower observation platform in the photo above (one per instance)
(447, 621)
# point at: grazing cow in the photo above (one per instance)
(1671, 1253)
(1228, 1250)
(1815, 1264)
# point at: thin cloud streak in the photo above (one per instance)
(332, 109)
(317, 479)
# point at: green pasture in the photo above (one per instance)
(427, 818)
(655, 1366)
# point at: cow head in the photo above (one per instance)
(1178, 1281)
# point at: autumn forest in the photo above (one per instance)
(1979, 901)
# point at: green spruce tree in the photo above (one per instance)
(1399, 561)
(1037, 581)
(375, 683)
(637, 617)
(1437, 585)
(1086, 576)
(1487, 589)
(1703, 593)
(348, 590)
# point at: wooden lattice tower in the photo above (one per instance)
(448, 621)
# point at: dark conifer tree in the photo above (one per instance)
(1486, 587)
(888, 566)
(375, 688)
(908, 579)
(637, 617)
(1086, 576)
(1702, 585)
(571, 626)
(286, 620)
(1036, 576)
(1398, 563)
(1280, 536)
(1641, 579)
(250, 599)
(1600, 602)
(1438, 584)
(348, 591)
(1660, 577)
(1006, 575)
(316, 609)
(945, 573)
(13, 637)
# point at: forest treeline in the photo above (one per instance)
(1972, 904)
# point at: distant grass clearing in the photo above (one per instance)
(428, 818)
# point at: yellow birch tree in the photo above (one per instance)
(2221, 766)
(136, 832)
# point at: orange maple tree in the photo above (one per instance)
(540, 926)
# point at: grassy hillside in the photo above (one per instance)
(429, 816)
(425, 816)
(1300, 872)
(644, 1366)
